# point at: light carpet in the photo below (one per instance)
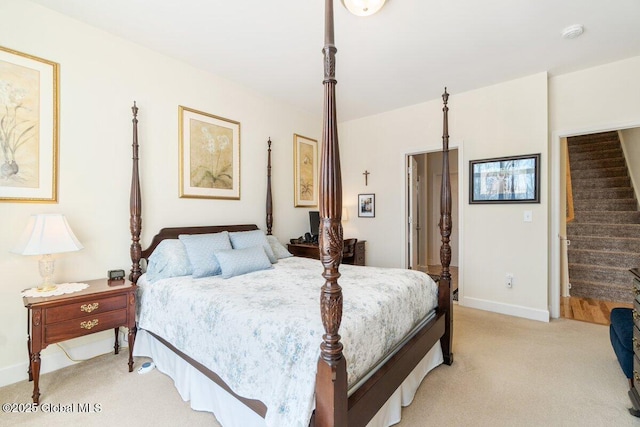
(507, 371)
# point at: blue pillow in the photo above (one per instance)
(200, 248)
(169, 259)
(278, 249)
(235, 262)
(247, 239)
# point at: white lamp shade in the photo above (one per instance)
(363, 7)
(47, 234)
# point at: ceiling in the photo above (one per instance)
(403, 55)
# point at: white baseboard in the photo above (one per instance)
(508, 309)
(53, 360)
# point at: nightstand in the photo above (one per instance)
(310, 250)
(59, 318)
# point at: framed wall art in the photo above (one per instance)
(513, 179)
(209, 155)
(305, 171)
(28, 128)
(366, 205)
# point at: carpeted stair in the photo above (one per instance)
(605, 233)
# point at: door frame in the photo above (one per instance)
(557, 211)
(462, 193)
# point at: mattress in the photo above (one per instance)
(261, 331)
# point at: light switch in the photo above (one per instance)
(528, 216)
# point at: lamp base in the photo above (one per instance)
(47, 288)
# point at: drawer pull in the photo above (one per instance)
(636, 290)
(636, 344)
(89, 307)
(90, 324)
(636, 376)
(636, 315)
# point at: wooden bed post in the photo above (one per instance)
(331, 378)
(445, 298)
(269, 202)
(135, 205)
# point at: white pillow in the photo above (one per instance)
(234, 262)
(278, 248)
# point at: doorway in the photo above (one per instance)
(424, 179)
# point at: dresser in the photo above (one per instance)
(310, 250)
(101, 306)
(633, 393)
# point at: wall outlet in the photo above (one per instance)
(509, 280)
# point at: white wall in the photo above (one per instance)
(601, 98)
(100, 77)
(630, 139)
(501, 120)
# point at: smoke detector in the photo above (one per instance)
(572, 31)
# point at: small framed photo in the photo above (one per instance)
(366, 205)
(514, 179)
(209, 156)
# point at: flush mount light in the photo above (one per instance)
(572, 31)
(363, 7)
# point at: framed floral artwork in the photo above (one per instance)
(305, 171)
(28, 128)
(209, 155)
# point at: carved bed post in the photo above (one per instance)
(331, 379)
(135, 205)
(445, 296)
(269, 202)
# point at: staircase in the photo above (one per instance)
(605, 234)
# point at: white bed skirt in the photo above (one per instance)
(206, 395)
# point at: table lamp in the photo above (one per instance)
(44, 235)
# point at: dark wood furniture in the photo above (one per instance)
(353, 252)
(635, 380)
(59, 318)
(333, 406)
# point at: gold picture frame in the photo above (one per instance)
(305, 171)
(209, 155)
(29, 117)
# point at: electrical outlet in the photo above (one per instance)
(509, 280)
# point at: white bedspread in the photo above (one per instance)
(261, 332)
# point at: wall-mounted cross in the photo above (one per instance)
(366, 177)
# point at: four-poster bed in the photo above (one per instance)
(345, 392)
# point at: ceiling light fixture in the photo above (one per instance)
(363, 7)
(572, 31)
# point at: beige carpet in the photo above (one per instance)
(506, 372)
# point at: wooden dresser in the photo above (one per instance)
(633, 393)
(309, 250)
(58, 318)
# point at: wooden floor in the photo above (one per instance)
(588, 309)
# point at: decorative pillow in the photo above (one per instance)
(169, 259)
(235, 262)
(247, 239)
(278, 248)
(200, 248)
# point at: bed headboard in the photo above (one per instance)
(174, 232)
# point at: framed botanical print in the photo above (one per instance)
(209, 155)
(305, 171)
(28, 128)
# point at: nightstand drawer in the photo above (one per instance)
(81, 309)
(636, 313)
(84, 325)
